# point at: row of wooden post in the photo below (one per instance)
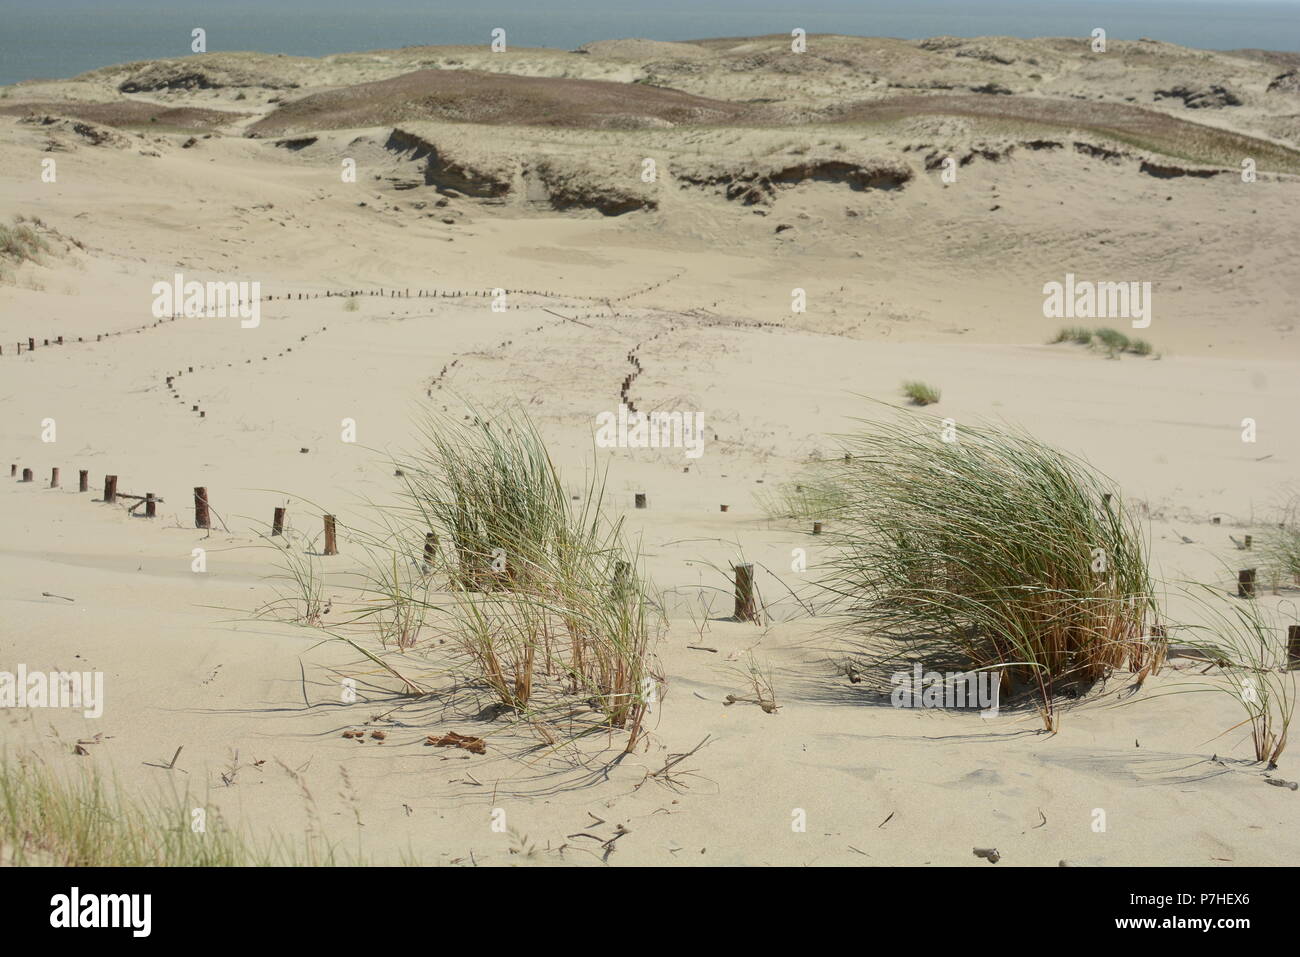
(746, 608)
(202, 511)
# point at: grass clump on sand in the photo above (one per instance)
(920, 393)
(21, 243)
(1112, 340)
(992, 551)
(542, 590)
(1075, 334)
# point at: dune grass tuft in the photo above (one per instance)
(815, 496)
(920, 393)
(1279, 546)
(1112, 340)
(541, 590)
(77, 819)
(994, 550)
(1075, 334)
(1247, 641)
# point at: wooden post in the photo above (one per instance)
(54, 478)
(27, 475)
(1293, 645)
(277, 522)
(640, 499)
(201, 518)
(31, 344)
(817, 528)
(110, 489)
(331, 546)
(1246, 583)
(430, 549)
(723, 507)
(745, 610)
(13, 470)
(1248, 542)
(83, 480)
(150, 505)
(1215, 520)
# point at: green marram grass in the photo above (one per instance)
(1279, 546)
(993, 550)
(1246, 642)
(75, 818)
(540, 588)
(816, 496)
(1112, 340)
(920, 393)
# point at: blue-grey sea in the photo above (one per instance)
(57, 38)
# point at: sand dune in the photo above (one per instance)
(526, 172)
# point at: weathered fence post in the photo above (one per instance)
(640, 499)
(331, 546)
(430, 549)
(110, 489)
(1246, 583)
(201, 517)
(27, 475)
(150, 505)
(83, 480)
(54, 478)
(745, 607)
(277, 521)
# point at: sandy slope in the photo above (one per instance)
(929, 280)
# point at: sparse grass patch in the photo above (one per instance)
(1279, 546)
(1075, 334)
(1247, 641)
(21, 243)
(1112, 340)
(77, 819)
(816, 496)
(920, 393)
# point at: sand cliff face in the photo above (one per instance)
(723, 227)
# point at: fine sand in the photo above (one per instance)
(773, 174)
